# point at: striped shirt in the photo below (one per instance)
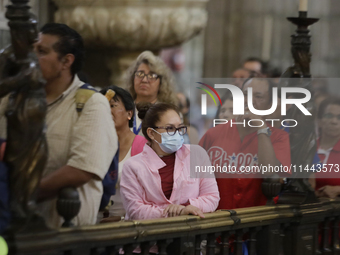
(87, 141)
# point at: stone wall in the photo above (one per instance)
(238, 29)
(4, 34)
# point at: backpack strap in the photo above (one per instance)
(82, 95)
(109, 182)
(2, 148)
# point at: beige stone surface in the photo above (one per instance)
(134, 24)
(117, 31)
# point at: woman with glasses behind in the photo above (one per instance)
(159, 182)
(149, 80)
(327, 182)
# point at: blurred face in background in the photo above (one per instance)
(240, 75)
(226, 111)
(120, 115)
(260, 95)
(182, 103)
(330, 122)
(253, 66)
(146, 87)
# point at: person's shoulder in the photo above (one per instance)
(138, 145)
(96, 100)
(218, 132)
(99, 98)
(197, 155)
(218, 128)
(278, 133)
(134, 162)
(195, 150)
(140, 139)
(89, 90)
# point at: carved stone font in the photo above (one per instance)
(125, 26)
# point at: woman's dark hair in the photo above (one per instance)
(70, 42)
(326, 102)
(123, 96)
(225, 97)
(150, 114)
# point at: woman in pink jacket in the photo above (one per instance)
(161, 181)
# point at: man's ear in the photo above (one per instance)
(67, 61)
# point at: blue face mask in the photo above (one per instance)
(170, 143)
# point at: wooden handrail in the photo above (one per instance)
(140, 231)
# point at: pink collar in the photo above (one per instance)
(154, 162)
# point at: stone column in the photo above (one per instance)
(117, 31)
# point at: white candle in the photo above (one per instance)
(303, 6)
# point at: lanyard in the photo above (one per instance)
(135, 129)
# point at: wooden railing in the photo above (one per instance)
(272, 230)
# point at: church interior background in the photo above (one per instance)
(207, 38)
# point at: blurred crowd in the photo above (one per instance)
(141, 132)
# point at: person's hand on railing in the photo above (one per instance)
(328, 191)
(190, 209)
(173, 210)
(112, 219)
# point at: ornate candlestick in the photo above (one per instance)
(26, 148)
(302, 137)
(300, 47)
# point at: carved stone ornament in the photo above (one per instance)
(125, 28)
(133, 24)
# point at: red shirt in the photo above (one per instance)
(225, 148)
(167, 174)
(334, 177)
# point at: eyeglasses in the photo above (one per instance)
(149, 76)
(331, 116)
(172, 130)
